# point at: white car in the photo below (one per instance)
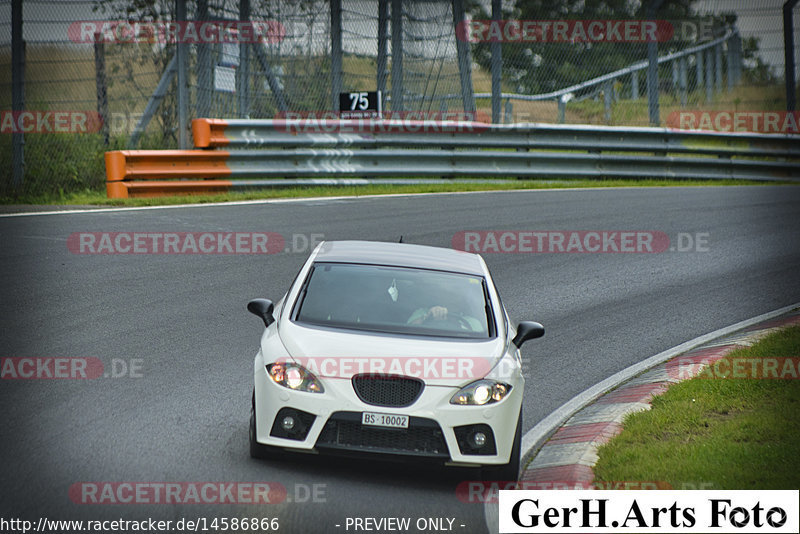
(391, 349)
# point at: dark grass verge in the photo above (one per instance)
(95, 197)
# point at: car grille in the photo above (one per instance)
(344, 430)
(390, 391)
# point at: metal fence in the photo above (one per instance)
(122, 90)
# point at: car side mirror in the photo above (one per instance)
(527, 330)
(263, 309)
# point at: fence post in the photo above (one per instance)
(733, 61)
(699, 73)
(497, 64)
(608, 94)
(100, 83)
(17, 92)
(738, 60)
(674, 66)
(562, 110)
(204, 71)
(718, 68)
(652, 69)
(183, 93)
(635, 85)
(684, 82)
(709, 76)
(397, 55)
(788, 53)
(336, 52)
(464, 59)
(383, 30)
(243, 72)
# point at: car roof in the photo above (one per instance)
(400, 255)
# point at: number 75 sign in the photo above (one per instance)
(359, 104)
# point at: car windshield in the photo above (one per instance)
(395, 300)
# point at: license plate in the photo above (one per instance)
(384, 419)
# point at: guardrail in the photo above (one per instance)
(332, 150)
(284, 133)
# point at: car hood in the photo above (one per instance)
(336, 353)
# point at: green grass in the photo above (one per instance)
(627, 112)
(721, 433)
(94, 197)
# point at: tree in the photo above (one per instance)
(754, 70)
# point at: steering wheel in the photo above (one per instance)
(454, 319)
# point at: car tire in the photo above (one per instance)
(257, 450)
(509, 471)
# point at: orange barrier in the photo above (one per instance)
(162, 189)
(209, 133)
(125, 167)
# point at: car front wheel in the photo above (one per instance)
(258, 450)
(509, 471)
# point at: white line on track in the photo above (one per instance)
(318, 199)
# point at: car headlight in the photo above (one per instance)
(481, 392)
(293, 376)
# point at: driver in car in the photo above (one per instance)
(421, 315)
(440, 313)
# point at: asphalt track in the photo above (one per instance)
(183, 319)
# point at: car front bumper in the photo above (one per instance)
(437, 429)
